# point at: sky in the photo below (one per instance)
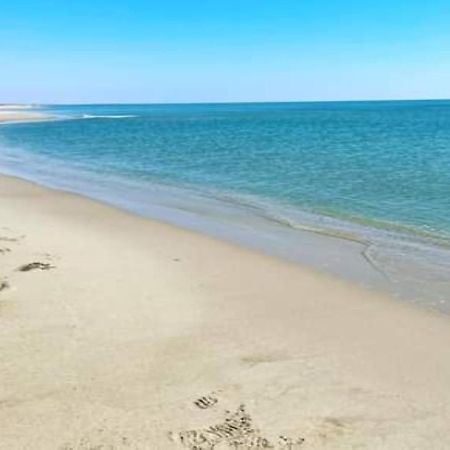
(127, 51)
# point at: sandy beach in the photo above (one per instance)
(14, 106)
(17, 113)
(119, 332)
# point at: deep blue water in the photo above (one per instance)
(335, 166)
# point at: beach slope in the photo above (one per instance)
(118, 332)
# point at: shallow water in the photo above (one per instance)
(372, 178)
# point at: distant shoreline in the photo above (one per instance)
(15, 106)
(19, 113)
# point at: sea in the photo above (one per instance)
(360, 190)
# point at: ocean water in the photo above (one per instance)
(361, 189)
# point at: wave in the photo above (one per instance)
(118, 116)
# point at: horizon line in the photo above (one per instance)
(218, 102)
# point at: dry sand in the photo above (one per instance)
(12, 113)
(132, 334)
(15, 106)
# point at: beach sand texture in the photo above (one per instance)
(118, 332)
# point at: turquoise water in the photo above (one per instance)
(368, 171)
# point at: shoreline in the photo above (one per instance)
(130, 324)
(15, 114)
(410, 264)
(340, 254)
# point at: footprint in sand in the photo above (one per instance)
(236, 431)
(11, 237)
(4, 285)
(8, 239)
(331, 428)
(206, 401)
(35, 265)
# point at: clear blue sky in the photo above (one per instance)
(223, 50)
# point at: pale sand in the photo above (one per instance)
(134, 320)
(16, 116)
(15, 106)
